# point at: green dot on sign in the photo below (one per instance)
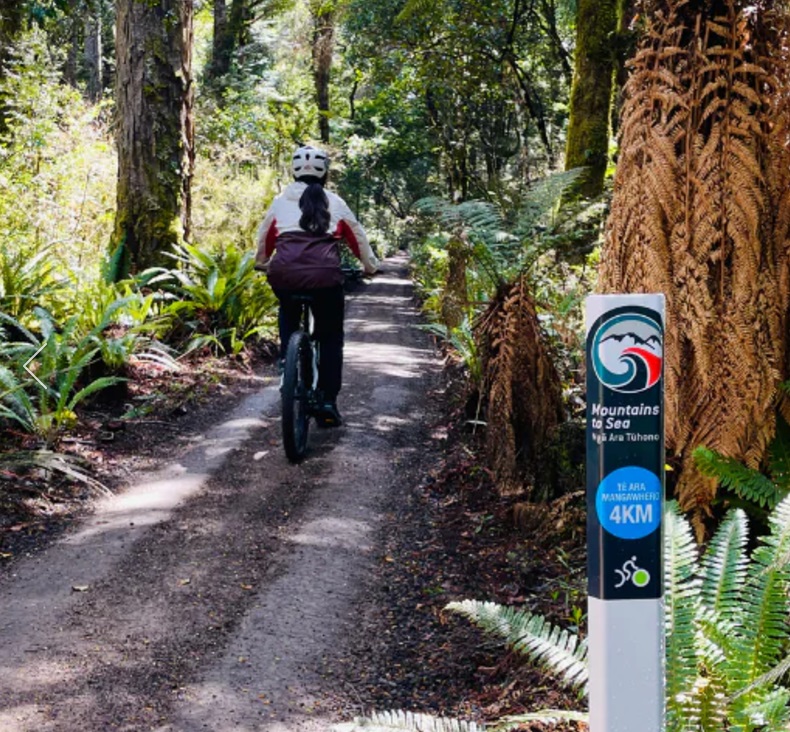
(641, 577)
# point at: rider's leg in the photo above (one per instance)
(287, 318)
(328, 311)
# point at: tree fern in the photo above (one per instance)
(504, 248)
(557, 650)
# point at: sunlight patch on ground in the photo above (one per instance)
(10, 718)
(39, 671)
(229, 435)
(386, 423)
(334, 532)
(392, 360)
(143, 505)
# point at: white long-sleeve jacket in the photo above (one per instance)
(283, 218)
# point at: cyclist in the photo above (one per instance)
(299, 248)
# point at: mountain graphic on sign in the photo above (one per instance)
(653, 342)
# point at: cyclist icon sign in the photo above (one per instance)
(638, 576)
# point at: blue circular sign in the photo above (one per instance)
(628, 502)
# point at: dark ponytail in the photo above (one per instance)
(315, 209)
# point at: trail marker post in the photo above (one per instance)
(625, 504)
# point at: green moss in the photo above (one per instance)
(588, 129)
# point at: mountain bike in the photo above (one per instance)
(299, 391)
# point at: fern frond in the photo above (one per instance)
(779, 455)
(744, 482)
(681, 594)
(400, 721)
(779, 539)
(769, 678)
(557, 650)
(545, 716)
(724, 565)
(769, 712)
(764, 631)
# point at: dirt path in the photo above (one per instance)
(214, 595)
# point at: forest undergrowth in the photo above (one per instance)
(456, 538)
(114, 439)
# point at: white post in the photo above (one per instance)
(625, 503)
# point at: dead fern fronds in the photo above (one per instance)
(525, 403)
(701, 212)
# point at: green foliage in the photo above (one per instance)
(407, 722)
(44, 403)
(27, 278)
(558, 651)
(748, 484)
(462, 339)
(57, 176)
(215, 299)
(726, 628)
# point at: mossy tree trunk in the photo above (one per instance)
(231, 29)
(455, 300)
(588, 129)
(155, 131)
(11, 23)
(323, 43)
(94, 63)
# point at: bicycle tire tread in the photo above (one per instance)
(294, 427)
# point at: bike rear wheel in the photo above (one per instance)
(297, 379)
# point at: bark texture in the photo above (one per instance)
(588, 129)
(94, 65)
(323, 45)
(11, 22)
(155, 131)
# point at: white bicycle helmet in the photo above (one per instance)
(309, 160)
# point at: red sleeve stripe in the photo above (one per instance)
(271, 239)
(346, 232)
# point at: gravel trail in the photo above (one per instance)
(215, 594)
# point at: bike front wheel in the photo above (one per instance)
(297, 379)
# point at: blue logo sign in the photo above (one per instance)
(628, 502)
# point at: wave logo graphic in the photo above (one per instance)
(627, 353)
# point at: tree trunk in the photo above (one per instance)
(155, 131)
(701, 213)
(524, 391)
(323, 43)
(455, 298)
(222, 43)
(11, 22)
(93, 50)
(624, 48)
(588, 128)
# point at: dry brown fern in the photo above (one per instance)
(701, 212)
(525, 403)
